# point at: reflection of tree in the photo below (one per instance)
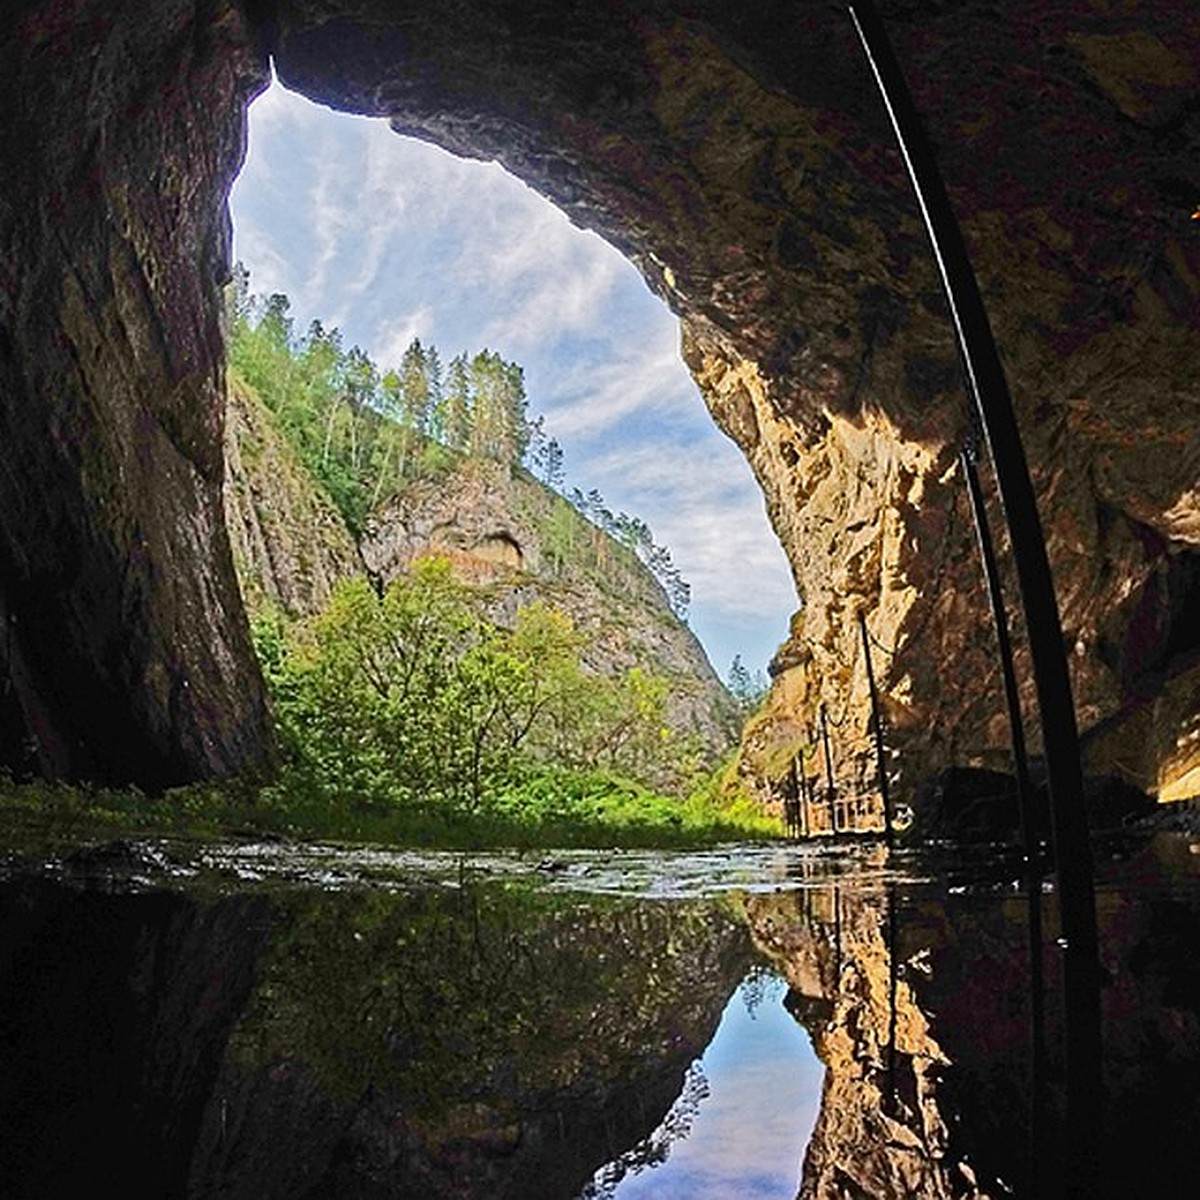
(483, 1041)
(654, 1150)
(761, 983)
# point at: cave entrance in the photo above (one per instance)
(387, 239)
(739, 158)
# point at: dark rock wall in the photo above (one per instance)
(125, 654)
(115, 1012)
(739, 156)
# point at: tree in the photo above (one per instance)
(746, 688)
(457, 404)
(553, 470)
(499, 424)
(416, 394)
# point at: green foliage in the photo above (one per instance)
(362, 432)
(411, 699)
(405, 713)
(633, 534)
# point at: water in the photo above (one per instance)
(759, 1021)
(743, 1117)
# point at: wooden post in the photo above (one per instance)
(804, 793)
(828, 770)
(989, 391)
(791, 802)
(877, 722)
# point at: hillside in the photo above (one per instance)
(517, 541)
(512, 539)
(290, 543)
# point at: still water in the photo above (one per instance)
(267, 1021)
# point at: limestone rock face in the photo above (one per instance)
(290, 544)
(739, 155)
(125, 655)
(520, 543)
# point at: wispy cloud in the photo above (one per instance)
(394, 336)
(592, 398)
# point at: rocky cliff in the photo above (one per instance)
(741, 159)
(513, 540)
(290, 544)
(520, 542)
(125, 655)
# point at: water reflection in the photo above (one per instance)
(743, 1119)
(189, 1031)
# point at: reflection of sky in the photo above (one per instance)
(748, 1138)
(388, 238)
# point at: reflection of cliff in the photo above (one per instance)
(950, 1118)
(470, 1044)
(454, 1043)
(882, 1129)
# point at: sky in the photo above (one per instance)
(388, 238)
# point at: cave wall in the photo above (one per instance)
(739, 157)
(125, 655)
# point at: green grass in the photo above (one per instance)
(546, 809)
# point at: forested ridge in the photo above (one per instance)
(363, 431)
(408, 701)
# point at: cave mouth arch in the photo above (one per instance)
(740, 160)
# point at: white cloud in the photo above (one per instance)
(394, 336)
(701, 502)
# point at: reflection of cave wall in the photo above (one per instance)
(952, 1119)
(738, 156)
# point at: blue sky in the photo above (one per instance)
(390, 238)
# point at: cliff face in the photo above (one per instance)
(519, 542)
(125, 655)
(290, 544)
(741, 159)
(508, 537)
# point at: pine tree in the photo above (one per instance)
(457, 404)
(553, 471)
(416, 397)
